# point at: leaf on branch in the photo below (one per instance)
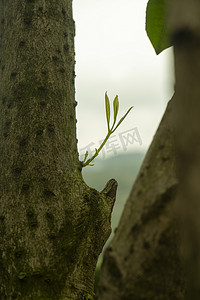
(115, 108)
(157, 26)
(107, 105)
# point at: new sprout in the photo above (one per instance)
(87, 162)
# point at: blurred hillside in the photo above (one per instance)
(122, 167)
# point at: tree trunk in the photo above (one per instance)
(143, 261)
(185, 21)
(52, 225)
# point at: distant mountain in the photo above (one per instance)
(124, 168)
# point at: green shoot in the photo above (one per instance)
(107, 105)
(86, 162)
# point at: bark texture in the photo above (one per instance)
(52, 225)
(143, 261)
(185, 22)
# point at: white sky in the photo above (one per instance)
(114, 54)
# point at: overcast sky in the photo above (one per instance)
(114, 54)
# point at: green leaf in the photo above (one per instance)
(157, 24)
(121, 120)
(115, 108)
(107, 105)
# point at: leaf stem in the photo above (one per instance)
(86, 163)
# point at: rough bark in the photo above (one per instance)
(185, 22)
(143, 259)
(52, 225)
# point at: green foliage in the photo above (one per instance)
(157, 26)
(115, 109)
(87, 162)
(107, 105)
